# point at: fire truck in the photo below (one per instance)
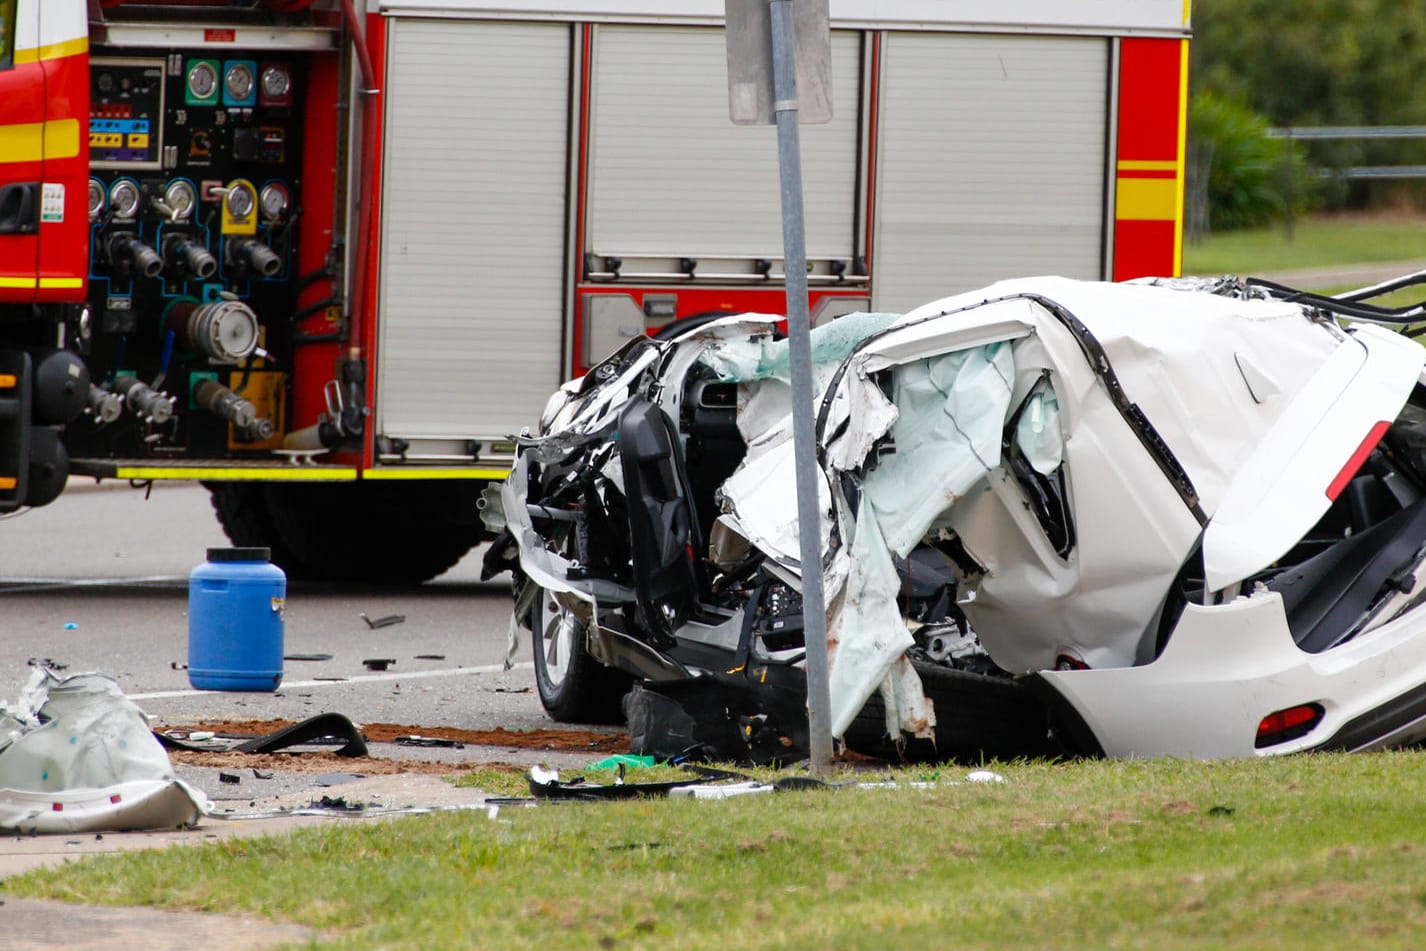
(327, 256)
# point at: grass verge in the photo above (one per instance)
(1303, 852)
(1318, 241)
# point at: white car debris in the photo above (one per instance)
(76, 755)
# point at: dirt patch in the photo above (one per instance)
(319, 763)
(567, 741)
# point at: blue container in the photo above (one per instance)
(235, 607)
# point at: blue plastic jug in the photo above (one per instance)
(235, 614)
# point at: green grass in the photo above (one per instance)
(1302, 852)
(1319, 241)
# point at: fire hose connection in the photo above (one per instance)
(144, 400)
(252, 253)
(183, 254)
(103, 405)
(126, 249)
(223, 402)
(222, 330)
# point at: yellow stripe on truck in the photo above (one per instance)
(1146, 199)
(48, 283)
(52, 51)
(37, 141)
(417, 473)
(238, 474)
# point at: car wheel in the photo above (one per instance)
(573, 686)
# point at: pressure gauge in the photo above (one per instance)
(180, 197)
(238, 82)
(124, 198)
(276, 82)
(202, 80)
(239, 201)
(96, 198)
(274, 200)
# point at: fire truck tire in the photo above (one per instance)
(242, 511)
(373, 533)
(978, 717)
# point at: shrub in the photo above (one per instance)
(1239, 174)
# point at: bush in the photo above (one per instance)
(1239, 176)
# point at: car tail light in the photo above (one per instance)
(1358, 457)
(1288, 724)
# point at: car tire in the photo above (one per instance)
(978, 717)
(573, 686)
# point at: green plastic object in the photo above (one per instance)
(624, 759)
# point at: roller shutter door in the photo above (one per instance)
(993, 162)
(672, 176)
(473, 234)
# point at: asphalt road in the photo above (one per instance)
(98, 581)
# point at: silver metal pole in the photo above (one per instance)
(789, 161)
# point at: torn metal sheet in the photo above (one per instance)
(77, 756)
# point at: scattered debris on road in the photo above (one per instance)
(387, 621)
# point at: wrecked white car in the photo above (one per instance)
(1060, 518)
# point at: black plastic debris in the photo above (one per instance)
(386, 621)
(230, 779)
(175, 665)
(546, 784)
(725, 718)
(430, 656)
(324, 726)
(378, 663)
(338, 804)
(313, 657)
(430, 741)
(47, 662)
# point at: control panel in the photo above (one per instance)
(194, 205)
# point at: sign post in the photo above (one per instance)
(778, 50)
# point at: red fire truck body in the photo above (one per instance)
(327, 256)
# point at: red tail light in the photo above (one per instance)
(1289, 724)
(1358, 457)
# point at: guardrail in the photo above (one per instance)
(1363, 132)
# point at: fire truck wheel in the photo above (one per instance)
(398, 533)
(242, 511)
(573, 686)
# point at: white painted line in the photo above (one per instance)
(25, 584)
(363, 679)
